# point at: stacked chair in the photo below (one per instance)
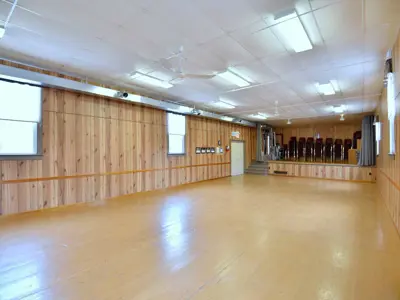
(319, 150)
(312, 150)
(293, 148)
(301, 149)
(338, 150)
(346, 148)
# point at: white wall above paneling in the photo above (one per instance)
(107, 41)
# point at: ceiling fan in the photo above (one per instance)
(166, 63)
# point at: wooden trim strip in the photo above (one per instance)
(390, 180)
(107, 174)
(331, 179)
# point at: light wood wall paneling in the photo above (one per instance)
(389, 166)
(325, 130)
(324, 171)
(96, 148)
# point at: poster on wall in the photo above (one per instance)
(212, 150)
(198, 150)
(236, 134)
(203, 150)
(208, 150)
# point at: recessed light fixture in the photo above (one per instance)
(233, 78)
(342, 117)
(325, 89)
(151, 80)
(289, 122)
(260, 116)
(2, 32)
(222, 105)
(338, 109)
(292, 31)
(225, 118)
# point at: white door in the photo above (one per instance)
(237, 158)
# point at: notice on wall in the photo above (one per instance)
(236, 134)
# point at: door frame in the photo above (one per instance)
(244, 153)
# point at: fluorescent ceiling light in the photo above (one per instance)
(22, 80)
(293, 33)
(325, 89)
(229, 119)
(338, 109)
(151, 81)
(222, 105)
(260, 116)
(233, 78)
(184, 109)
(2, 32)
(335, 85)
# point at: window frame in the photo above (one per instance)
(184, 153)
(39, 139)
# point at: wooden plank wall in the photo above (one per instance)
(325, 130)
(324, 171)
(389, 166)
(96, 148)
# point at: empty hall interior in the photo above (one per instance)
(172, 149)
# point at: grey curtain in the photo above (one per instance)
(368, 151)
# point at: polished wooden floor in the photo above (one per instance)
(248, 237)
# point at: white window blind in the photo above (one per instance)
(20, 118)
(176, 125)
(377, 136)
(391, 102)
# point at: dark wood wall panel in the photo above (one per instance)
(96, 148)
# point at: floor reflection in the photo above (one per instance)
(175, 232)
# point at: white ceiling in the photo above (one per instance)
(109, 40)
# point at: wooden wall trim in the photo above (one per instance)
(109, 173)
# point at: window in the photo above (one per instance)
(20, 120)
(391, 112)
(176, 133)
(377, 136)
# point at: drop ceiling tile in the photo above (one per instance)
(228, 50)
(257, 72)
(340, 20)
(229, 17)
(282, 64)
(261, 43)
